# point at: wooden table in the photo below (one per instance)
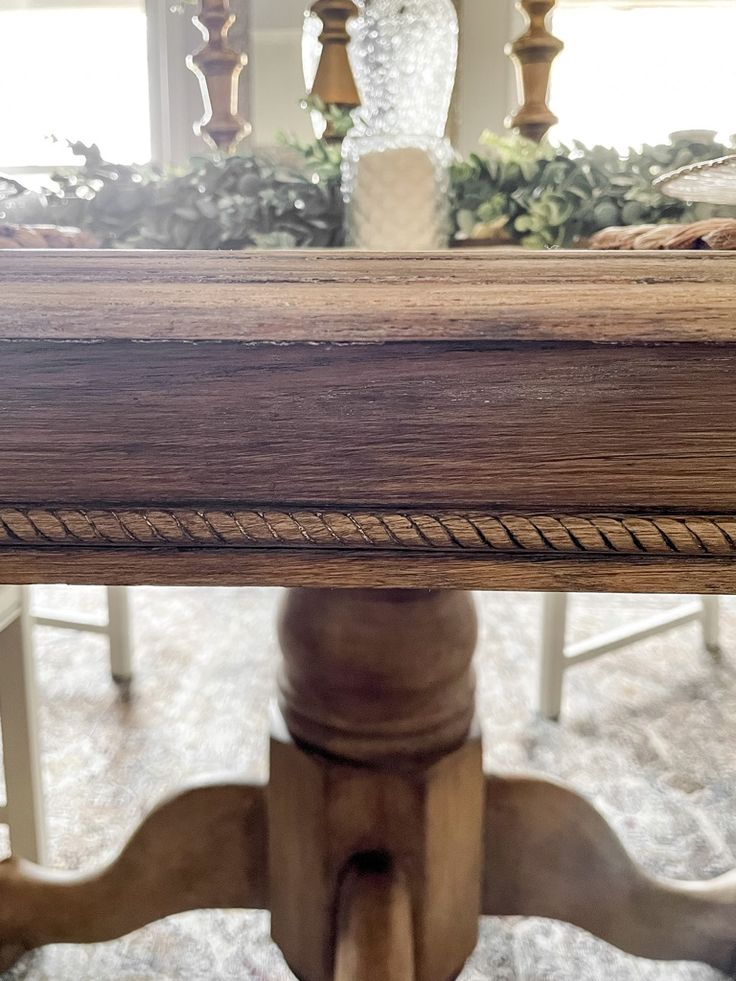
(380, 433)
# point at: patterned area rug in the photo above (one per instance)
(648, 734)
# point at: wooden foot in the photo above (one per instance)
(204, 849)
(549, 853)
(376, 793)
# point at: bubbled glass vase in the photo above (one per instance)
(396, 160)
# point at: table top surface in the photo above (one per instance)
(292, 297)
(484, 420)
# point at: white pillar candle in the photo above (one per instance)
(396, 203)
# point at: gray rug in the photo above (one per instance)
(648, 734)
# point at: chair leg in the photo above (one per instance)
(19, 723)
(552, 660)
(711, 624)
(119, 635)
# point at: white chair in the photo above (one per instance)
(557, 656)
(24, 809)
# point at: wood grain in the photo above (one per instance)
(381, 766)
(494, 295)
(374, 926)
(560, 406)
(182, 857)
(386, 570)
(530, 428)
(549, 853)
(554, 422)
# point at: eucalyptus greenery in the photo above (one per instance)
(512, 190)
(243, 202)
(338, 120)
(543, 196)
(238, 202)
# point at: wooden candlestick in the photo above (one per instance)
(334, 84)
(218, 66)
(533, 54)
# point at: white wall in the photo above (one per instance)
(277, 85)
(485, 91)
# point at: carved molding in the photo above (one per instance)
(364, 529)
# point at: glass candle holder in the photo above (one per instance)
(396, 159)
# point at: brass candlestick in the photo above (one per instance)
(533, 54)
(334, 84)
(218, 66)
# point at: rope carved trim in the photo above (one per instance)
(368, 530)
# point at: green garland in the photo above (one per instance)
(238, 202)
(512, 190)
(542, 196)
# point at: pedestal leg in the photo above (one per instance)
(376, 792)
(204, 849)
(550, 853)
(378, 842)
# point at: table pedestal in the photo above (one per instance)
(378, 842)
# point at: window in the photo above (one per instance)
(73, 69)
(633, 72)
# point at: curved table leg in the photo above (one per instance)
(549, 853)
(368, 844)
(204, 849)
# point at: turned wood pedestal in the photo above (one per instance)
(379, 434)
(378, 842)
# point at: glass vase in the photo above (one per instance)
(396, 159)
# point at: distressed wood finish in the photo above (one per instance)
(496, 421)
(381, 769)
(549, 853)
(366, 427)
(497, 296)
(332, 407)
(387, 570)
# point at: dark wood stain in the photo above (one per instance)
(562, 383)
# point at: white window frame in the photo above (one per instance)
(627, 5)
(9, 5)
(486, 92)
(175, 100)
